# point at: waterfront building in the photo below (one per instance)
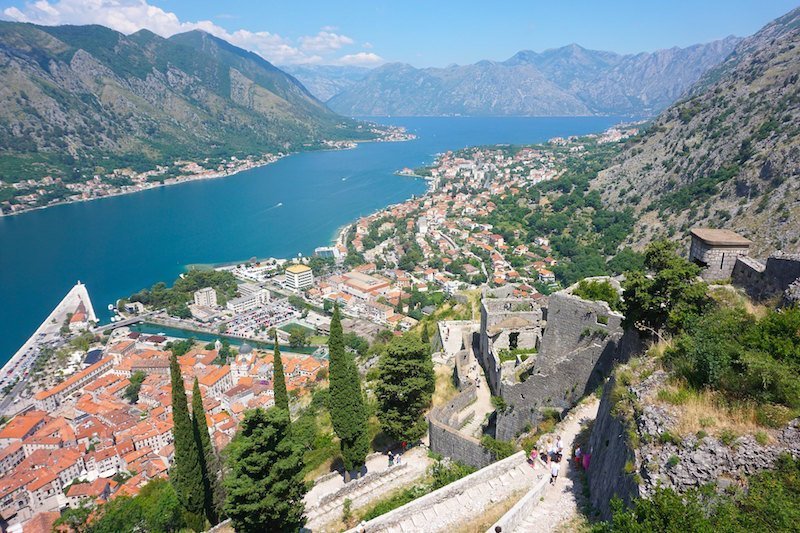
(298, 277)
(205, 297)
(328, 252)
(249, 302)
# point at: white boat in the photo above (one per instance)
(279, 204)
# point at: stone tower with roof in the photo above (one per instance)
(716, 251)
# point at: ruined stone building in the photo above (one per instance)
(576, 340)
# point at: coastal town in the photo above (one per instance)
(24, 195)
(92, 420)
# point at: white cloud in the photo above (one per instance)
(324, 41)
(129, 16)
(361, 59)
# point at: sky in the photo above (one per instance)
(422, 33)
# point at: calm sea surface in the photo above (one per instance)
(119, 245)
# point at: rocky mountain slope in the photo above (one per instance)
(726, 156)
(564, 81)
(324, 81)
(76, 100)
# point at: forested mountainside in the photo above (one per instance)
(78, 99)
(565, 81)
(726, 156)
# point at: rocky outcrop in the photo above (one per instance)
(634, 447)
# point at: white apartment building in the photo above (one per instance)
(299, 277)
(206, 297)
(249, 302)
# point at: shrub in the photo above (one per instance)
(500, 448)
(629, 467)
(668, 438)
(774, 416)
(762, 438)
(727, 437)
(597, 290)
(674, 397)
(673, 461)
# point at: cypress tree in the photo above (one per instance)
(265, 487)
(186, 473)
(209, 462)
(405, 388)
(279, 379)
(346, 404)
(424, 336)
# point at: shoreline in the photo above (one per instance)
(179, 180)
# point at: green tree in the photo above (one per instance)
(279, 378)
(424, 336)
(669, 298)
(298, 337)
(346, 404)
(265, 487)
(186, 473)
(132, 390)
(155, 508)
(598, 291)
(76, 518)
(405, 388)
(209, 462)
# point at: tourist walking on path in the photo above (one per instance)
(391, 458)
(554, 468)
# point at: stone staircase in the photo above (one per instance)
(464, 500)
(361, 492)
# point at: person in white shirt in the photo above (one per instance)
(559, 445)
(554, 468)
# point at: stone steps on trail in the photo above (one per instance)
(462, 501)
(376, 487)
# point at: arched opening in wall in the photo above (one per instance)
(513, 340)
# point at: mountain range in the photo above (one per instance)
(571, 80)
(79, 100)
(726, 155)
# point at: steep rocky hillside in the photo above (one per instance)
(565, 81)
(728, 155)
(78, 98)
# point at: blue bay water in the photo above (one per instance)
(119, 245)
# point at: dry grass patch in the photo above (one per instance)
(445, 388)
(709, 412)
(490, 515)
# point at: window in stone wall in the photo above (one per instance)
(513, 340)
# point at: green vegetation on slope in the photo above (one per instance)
(771, 502)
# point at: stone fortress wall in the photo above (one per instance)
(779, 276)
(580, 343)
